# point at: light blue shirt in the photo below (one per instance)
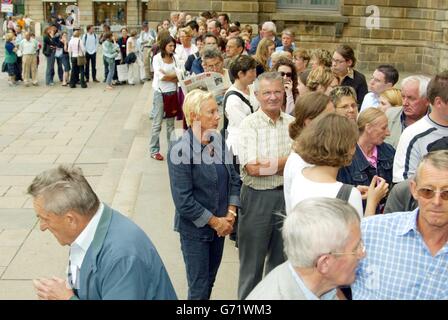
(330, 295)
(398, 264)
(91, 42)
(371, 100)
(293, 46)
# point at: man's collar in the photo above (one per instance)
(269, 119)
(85, 238)
(409, 224)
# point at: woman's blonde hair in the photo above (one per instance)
(368, 116)
(261, 55)
(393, 95)
(323, 56)
(187, 30)
(9, 36)
(320, 76)
(193, 103)
(76, 34)
(329, 140)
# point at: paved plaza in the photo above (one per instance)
(106, 134)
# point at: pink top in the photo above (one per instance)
(373, 159)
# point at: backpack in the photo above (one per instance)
(85, 38)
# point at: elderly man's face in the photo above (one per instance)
(343, 264)
(286, 40)
(266, 33)
(270, 95)
(211, 27)
(414, 106)
(231, 48)
(59, 226)
(433, 212)
(213, 65)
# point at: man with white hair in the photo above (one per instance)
(322, 240)
(415, 106)
(268, 31)
(110, 256)
(414, 141)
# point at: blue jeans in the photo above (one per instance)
(110, 75)
(202, 260)
(50, 69)
(106, 67)
(154, 144)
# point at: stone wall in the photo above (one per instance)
(412, 34)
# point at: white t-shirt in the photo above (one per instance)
(158, 65)
(236, 111)
(303, 188)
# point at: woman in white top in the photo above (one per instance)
(243, 70)
(133, 69)
(186, 48)
(307, 108)
(165, 81)
(327, 144)
(75, 49)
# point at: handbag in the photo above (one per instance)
(130, 58)
(19, 53)
(122, 72)
(58, 53)
(170, 103)
(80, 59)
(4, 67)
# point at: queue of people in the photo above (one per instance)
(302, 177)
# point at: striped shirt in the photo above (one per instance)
(262, 139)
(398, 264)
(413, 146)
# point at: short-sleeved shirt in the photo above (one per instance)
(261, 138)
(398, 263)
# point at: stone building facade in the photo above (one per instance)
(411, 34)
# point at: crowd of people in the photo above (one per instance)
(332, 186)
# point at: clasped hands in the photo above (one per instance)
(223, 225)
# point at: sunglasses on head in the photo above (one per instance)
(288, 74)
(429, 194)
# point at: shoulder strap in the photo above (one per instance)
(344, 192)
(228, 94)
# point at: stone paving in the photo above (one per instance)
(106, 134)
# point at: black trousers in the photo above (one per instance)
(76, 72)
(91, 59)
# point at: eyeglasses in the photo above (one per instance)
(359, 250)
(214, 66)
(348, 106)
(338, 61)
(288, 74)
(429, 194)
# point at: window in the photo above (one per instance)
(308, 4)
(111, 13)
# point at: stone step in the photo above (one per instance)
(127, 190)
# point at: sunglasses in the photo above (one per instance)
(288, 74)
(429, 194)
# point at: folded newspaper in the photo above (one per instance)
(210, 81)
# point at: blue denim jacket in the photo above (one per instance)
(194, 184)
(360, 172)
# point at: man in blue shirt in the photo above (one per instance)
(110, 256)
(407, 252)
